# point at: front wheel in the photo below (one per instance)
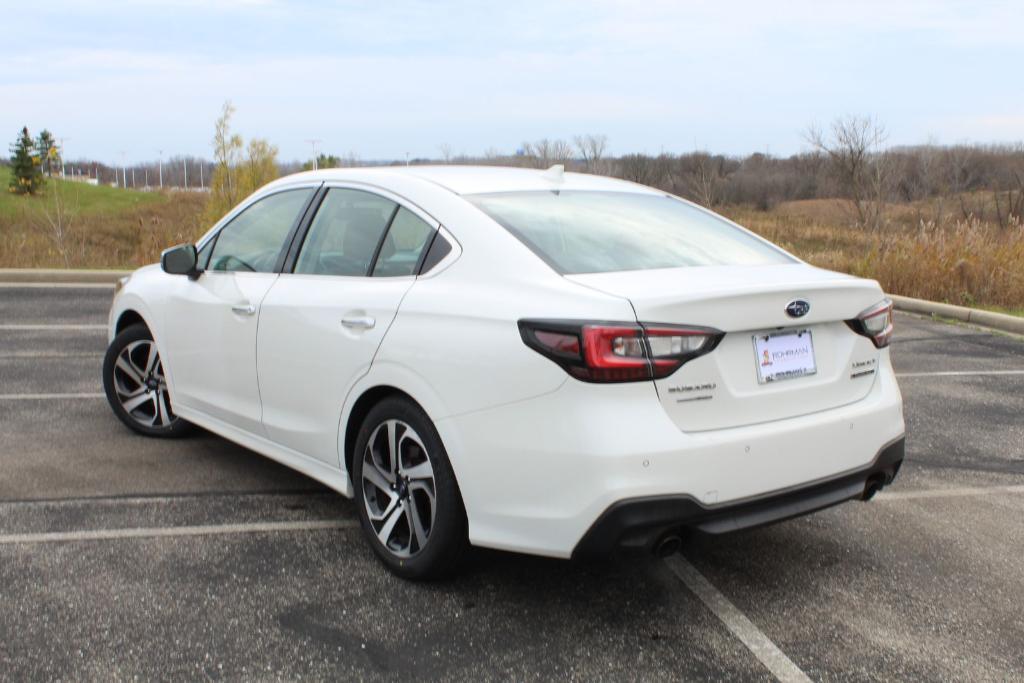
(136, 387)
(408, 500)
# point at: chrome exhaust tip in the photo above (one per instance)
(670, 544)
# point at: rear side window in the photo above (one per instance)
(439, 248)
(253, 239)
(345, 233)
(600, 232)
(406, 239)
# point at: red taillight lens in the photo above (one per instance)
(876, 323)
(613, 354)
(617, 352)
(561, 343)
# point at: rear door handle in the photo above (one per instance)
(364, 322)
(244, 309)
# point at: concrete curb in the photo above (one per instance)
(997, 321)
(61, 276)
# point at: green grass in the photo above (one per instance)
(1002, 309)
(89, 199)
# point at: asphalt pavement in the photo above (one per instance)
(123, 557)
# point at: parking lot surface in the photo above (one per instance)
(124, 557)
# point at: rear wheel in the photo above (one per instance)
(136, 385)
(408, 500)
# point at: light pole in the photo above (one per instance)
(124, 174)
(62, 140)
(184, 165)
(161, 153)
(314, 143)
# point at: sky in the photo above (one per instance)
(384, 79)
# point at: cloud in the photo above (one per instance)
(387, 78)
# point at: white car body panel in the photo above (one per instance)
(210, 332)
(721, 389)
(308, 357)
(538, 455)
(589, 449)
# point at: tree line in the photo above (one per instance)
(847, 160)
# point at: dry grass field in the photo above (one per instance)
(82, 226)
(962, 262)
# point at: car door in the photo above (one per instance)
(211, 321)
(321, 324)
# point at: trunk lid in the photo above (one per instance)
(722, 389)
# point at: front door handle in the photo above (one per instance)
(364, 322)
(244, 309)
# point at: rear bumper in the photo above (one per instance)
(637, 524)
(537, 475)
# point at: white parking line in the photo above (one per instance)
(44, 397)
(162, 532)
(52, 326)
(948, 493)
(50, 354)
(56, 285)
(960, 373)
(766, 652)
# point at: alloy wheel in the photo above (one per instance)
(141, 386)
(398, 488)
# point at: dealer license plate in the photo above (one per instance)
(784, 355)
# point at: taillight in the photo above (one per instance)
(875, 323)
(617, 352)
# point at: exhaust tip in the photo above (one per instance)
(668, 545)
(871, 487)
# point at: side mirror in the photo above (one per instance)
(180, 260)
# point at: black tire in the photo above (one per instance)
(446, 539)
(123, 386)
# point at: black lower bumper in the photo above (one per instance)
(637, 524)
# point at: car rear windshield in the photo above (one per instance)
(601, 232)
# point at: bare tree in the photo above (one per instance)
(700, 176)
(446, 152)
(545, 153)
(964, 172)
(853, 147)
(638, 168)
(591, 149)
(58, 217)
(1010, 208)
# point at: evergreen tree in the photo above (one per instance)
(26, 177)
(323, 161)
(49, 155)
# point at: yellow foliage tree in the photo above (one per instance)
(236, 176)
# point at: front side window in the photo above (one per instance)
(599, 232)
(253, 239)
(345, 233)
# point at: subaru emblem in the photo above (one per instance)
(797, 308)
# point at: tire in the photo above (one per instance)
(410, 507)
(135, 385)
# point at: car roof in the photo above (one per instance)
(464, 180)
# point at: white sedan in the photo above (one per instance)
(536, 361)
